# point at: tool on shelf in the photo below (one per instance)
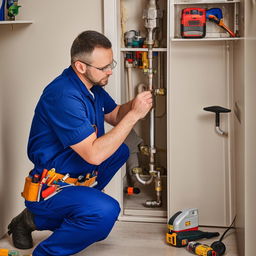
(193, 23)
(133, 39)
(215, 15)
(12, 9)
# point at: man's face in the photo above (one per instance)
(99, 68)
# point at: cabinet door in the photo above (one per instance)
(198, 156)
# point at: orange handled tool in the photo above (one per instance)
(215, 15)
(221, 24)
(44, 173)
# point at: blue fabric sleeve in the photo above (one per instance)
(67, 117)
(109, 103)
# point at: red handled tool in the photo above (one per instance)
(50, 190)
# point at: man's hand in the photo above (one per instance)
(142, 104)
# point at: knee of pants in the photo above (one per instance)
(106, 215)
(109, 209)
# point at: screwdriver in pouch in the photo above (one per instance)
(65, 177)
(81, 179)
(44, 173)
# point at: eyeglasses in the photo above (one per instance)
(109, 67)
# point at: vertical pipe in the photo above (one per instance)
(152, 112)
(159, 66)
(130, 90)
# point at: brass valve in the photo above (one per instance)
(144, 150)
(160, 92)
(137, 170)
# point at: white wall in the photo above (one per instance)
(31, 56)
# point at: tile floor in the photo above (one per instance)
(135, 239)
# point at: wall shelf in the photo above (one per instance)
(9, 22)
(143, 49)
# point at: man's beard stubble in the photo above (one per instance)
(89, 78)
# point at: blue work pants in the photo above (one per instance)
(78, 215)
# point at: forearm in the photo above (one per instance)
(123, 110)
(104, 146)
(96, 150)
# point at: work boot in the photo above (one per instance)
(21, 228)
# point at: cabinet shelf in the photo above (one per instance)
(206, 39)
(143, 49)
(7, 22)
(207, 2)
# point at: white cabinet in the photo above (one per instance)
(195, 73)
(201, 74)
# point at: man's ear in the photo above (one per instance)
(80, 67)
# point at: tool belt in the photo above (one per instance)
(38, 188)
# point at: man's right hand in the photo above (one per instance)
(141, 104)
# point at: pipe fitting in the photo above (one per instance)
(152, 150)
(153, 203)
(144, 182)
(144, 150)
(160, 92)
(137, 170)
(158, 189)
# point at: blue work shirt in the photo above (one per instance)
(66, 114)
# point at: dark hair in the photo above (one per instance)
(85, 43)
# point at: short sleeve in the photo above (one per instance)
(68, 118)
(109, 103)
